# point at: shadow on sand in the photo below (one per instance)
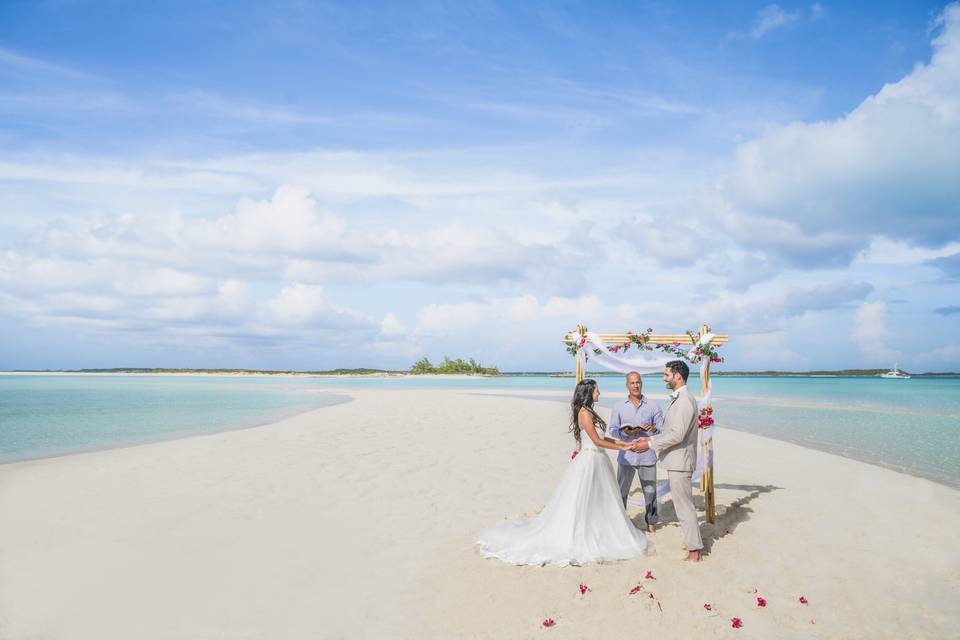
(729, 517)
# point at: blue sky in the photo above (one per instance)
(310, 185)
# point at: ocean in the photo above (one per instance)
(908, 425)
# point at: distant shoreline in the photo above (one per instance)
(383, 373)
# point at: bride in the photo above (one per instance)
(584, 520)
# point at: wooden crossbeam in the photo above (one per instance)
(655, 338)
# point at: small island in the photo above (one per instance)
(448, 366)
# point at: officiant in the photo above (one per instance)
(635, 417)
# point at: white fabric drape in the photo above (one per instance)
(652, 362)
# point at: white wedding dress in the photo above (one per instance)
(584, 520)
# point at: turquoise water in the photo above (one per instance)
(909, 425)
(44, 416)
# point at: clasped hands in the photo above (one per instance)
(637, 446)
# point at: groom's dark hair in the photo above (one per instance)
(679, 366)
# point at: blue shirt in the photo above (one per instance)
(648, 412)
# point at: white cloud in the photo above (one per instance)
(871, 335)
(35, 65)
(391, 325)
(770, 18)
(886, 168)
(886, 251)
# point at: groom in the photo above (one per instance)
(676, 448)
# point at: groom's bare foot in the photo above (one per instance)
(651, 528)
(693, 556)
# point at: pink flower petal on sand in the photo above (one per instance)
(708, 606)
(803, 600)
(637, 589)
(649, 576)
(761, 602)
(584, 588)
(736, 623)
(549, 622)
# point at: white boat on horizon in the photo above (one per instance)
(895, 374)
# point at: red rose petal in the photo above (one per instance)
(636, 590)
(584, 588)
(708, 606)
(803, 600)
(549, 622)
(761, 602)
(649, 576)
(736, 623)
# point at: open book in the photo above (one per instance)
(630, 425)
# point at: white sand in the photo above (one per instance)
(355, 521)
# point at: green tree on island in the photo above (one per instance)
(471, 366)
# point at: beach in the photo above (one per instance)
(356, 521)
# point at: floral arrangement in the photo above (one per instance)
(641, 341)
(706, 417)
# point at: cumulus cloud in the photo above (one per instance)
(391, 325)
(767, 310)
(886, 168)
(870, 333)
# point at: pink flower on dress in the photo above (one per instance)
(575, 452)
(736, 623)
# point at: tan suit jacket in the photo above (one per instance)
(676, 445)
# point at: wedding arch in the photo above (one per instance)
(611, 351)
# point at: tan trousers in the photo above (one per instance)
(682, 491)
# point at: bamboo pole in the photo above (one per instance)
(706, 480)
(582, 331)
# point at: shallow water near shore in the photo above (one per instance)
(908, 425)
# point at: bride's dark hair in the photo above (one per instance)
(583, 398)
